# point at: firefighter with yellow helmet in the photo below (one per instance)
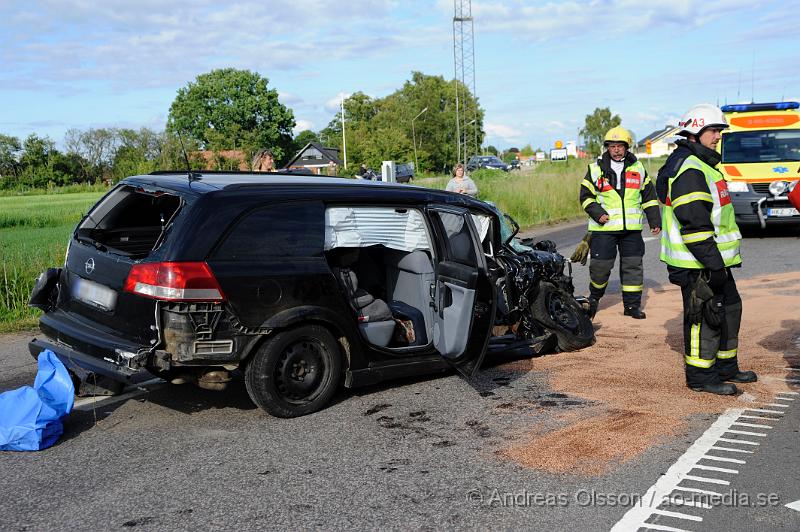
(617, 193)
(700, 245)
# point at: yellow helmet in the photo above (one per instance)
(618, 134)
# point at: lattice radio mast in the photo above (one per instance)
(464, 59)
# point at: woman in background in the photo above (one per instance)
(461, 182)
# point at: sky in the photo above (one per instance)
(541, 67)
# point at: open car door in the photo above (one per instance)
(464, 296)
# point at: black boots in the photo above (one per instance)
(718, 388)
(743, 376)
(635, 313)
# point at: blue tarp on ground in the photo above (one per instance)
(30, 418)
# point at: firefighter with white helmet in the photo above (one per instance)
(700, 245)
(617, 193)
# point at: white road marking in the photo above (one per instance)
(760, 417)
(720, 469)
(653, 526)
(764, 411)
(718, 448)
(706, 479)
(788, 369)
(793, 381)
(788, 393)
(677, 500)
(753, 425)
(743, 442)
(747, 433)
(678, 515)
(722, 459)
(698, 490)
(794, 505)
(779, 405)
(87, 404)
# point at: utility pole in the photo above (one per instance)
(464, 61)
(344, 137)
(414, 138)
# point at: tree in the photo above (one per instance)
(10, 149)
(597, 124)
(370, 122)
(303, 138)
(96, 148)
(491, 149)
(228, 109)
(527, 150)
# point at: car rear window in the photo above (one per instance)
(129, 221)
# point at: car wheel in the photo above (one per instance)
(296, 372)
(558, 311)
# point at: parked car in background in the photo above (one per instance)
(404, 172)
(491, 162)
(515, 164)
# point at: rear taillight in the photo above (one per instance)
(174, 281)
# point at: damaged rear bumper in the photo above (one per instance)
(82, 365)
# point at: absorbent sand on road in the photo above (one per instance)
(634, 376)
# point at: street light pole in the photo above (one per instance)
(344, 138)
(414, 139)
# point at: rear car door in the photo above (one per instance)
(464, 298)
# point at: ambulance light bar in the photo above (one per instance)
(746, 107)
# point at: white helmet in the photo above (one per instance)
(701, 116)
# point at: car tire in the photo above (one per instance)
(557, 310)
(296, 372)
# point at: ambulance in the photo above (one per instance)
(761, 161)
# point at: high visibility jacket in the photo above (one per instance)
(625, 208)
(726, 235)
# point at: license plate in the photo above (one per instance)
(94, 294)
(783, 211)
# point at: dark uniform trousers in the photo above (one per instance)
(716, 348)
(603, 248)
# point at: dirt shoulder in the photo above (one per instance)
(634, 376)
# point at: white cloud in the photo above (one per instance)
(302, 125)
(572, 19)
(502, 132)
(334, 105)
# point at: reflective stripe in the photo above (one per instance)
(697, 237)
(694, 341)
(612, 212)
(730, 353)
(729, 237)
(634, 211)
(687, 255)
(597, 285)
(648, 204)
(632, 288)
(588, 185)
(694, 196)
(698, 362)
(587, 201)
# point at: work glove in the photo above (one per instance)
(714, 312)
(701, 294)
(581, 252)
(717, 280)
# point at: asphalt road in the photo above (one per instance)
(416, 453)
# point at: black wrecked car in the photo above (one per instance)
(302, 283)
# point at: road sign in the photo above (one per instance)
(648, 145)
(559, 144)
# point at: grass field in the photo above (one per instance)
(33, 237)
(34, 229)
